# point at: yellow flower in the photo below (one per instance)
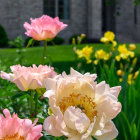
(101, 54)
(124, 53)
(104, 40)
(136, 74)
(73, 41)
(85, 53)
(120, 80)
(83, 36)
(96, 62)
(129, 80)
(114, 43)
(132, 47)
(121, 65)
(134, 62)
(120, 72)
(118, 58)
(108, 37)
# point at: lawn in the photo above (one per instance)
(62, 57)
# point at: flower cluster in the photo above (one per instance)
(121, 54)
(79, 108)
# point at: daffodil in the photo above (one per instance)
(134, 62)
(129, 80)
(136, 74)
(120, 80)
(124, 53)
(101, 54)
(85, 53)
(132, 47)
(120, 72)
(108, 37)
(96, 62)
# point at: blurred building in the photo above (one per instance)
(92, 17)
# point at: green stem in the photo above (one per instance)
(44, 52)
(32, 100)
(36, 103)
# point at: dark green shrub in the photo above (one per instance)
(3, 37)
(35, 43)
(57, 41)
(84, 40)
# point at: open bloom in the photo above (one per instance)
(44, 28)
(29, 77)
(101, 54)
(124, 53)
(85, 53)
(14, 128)
(81, 108)
(108, 37)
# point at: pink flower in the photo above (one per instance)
(44, 28)
(14, 128)
(29, 77)
(81, 108)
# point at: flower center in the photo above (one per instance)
(85, 103)
(13, 137)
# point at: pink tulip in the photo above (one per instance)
(29, 77)
(14, 128)
(44, 28)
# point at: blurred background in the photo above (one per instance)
(92, 17)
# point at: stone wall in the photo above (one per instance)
(125, 22)
(78, 22)
(13, 14)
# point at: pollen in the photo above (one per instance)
(13, 137)
(85, 103)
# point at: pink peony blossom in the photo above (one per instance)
(44, 28)
(81, 108)
(29, 77)
(14, 128)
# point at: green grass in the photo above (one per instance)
(58, 56)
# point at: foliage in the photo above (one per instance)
(3, 37)
(19, 44)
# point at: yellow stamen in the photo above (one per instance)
(13, 137)
(85, 103)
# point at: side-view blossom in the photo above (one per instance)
(14, 128)
(124, 53)
(29, 77)
(108, 37)
(44, 28)
(85, 53)
(81, 108)
(101, 54)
